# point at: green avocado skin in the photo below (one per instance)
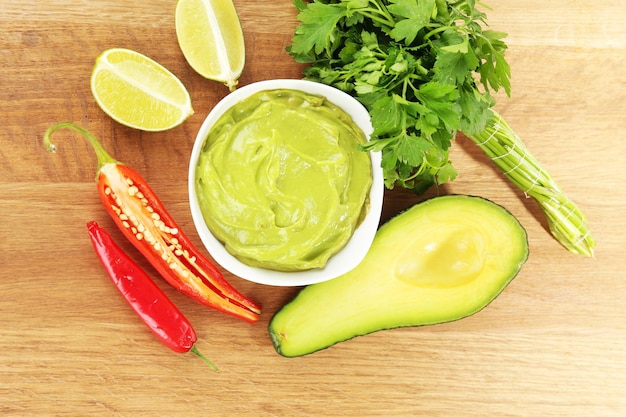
(441, 260)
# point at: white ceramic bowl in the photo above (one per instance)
(353, 253)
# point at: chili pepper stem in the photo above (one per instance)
(199, 354)
(102, 155)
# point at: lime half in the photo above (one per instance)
(138, 92)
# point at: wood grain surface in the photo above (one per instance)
(552, 344)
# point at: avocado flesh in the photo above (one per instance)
(439, 261)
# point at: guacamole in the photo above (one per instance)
(281, 181)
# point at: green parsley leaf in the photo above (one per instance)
(317, 30)
(446, 173)
(412, 149)
(442, 100)
(415, 14)
(386, 116)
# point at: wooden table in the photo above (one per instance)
(553, 343)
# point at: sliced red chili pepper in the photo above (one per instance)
(150, 303)
(141, 217)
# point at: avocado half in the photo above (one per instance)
(441, 260)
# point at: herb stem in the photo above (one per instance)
(379, 14)
(438, 30)
(565, 220)
(382, 10)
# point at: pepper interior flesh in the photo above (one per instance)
(141, 217)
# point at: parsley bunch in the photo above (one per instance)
(417, 67)
(426, 69)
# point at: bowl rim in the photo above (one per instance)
(358, 245)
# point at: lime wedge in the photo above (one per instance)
(138, 92)
(211, 39)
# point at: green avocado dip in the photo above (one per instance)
(281, 181)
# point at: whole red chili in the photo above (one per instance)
(147, 300)
(141, 217)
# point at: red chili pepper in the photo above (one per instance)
(141, 217)
(149, 302)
